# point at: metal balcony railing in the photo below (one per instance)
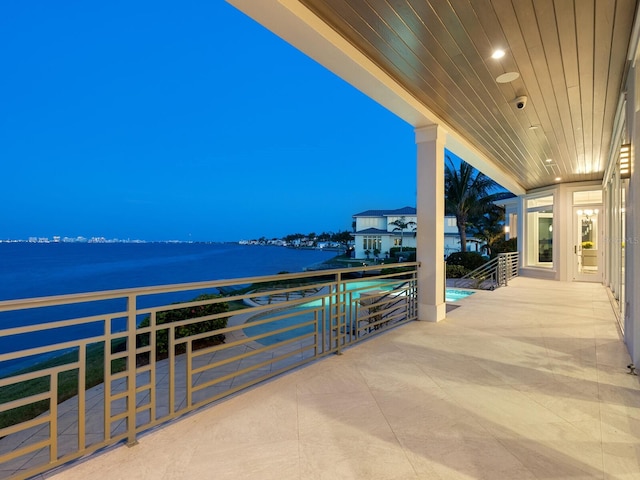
(495, 273)
(81, 372)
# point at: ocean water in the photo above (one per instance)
(38, 270)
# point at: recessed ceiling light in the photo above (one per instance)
(507, 77)
(548, 160)
(497, 54)
(534, 127)
(558, 179)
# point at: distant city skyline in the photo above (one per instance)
(189, 121)
(103, 239)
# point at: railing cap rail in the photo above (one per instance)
(54, 300)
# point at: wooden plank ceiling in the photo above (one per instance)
(570, 56)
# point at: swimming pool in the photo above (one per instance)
(312, 312)
(453, 295)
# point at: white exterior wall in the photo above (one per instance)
(363, 223)
(563, 241)
(394, 218)
(451, 239)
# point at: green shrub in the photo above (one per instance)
(393, 251)
(504, 246)
(186, 313)
(456, 271)
(469, 260)
(408, 253)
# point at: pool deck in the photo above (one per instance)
(525, 382)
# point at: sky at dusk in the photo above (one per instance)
(182, 121)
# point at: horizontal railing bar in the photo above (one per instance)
(389, 318)
(216, 316)
(242, 356)
(143, 368)
(119, 355)
(118, 417)
(289, 289)
(277, 318)
(119, 376)
(253, 294)
(146, 349)
(391, 275)
(49, 348)
(226, 345)
(24, 425)
(72, 322)
(119, 395)
(34, 447)
(38, 374)
(144, 388)
(288, 303)
(243, 371)
(390, 283)
(38, 397)
(189, 321)
(226, 361)
(281, 330)
(250, 383)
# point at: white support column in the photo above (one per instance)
(430, 218)
(632, 240)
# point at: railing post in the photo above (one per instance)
(444, 290)
(340, 301)
(131, 369)
(502, 277)
(506, 271)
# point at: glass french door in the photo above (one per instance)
(587, 243)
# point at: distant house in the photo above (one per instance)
(374, 229)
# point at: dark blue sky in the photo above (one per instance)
(182, 120)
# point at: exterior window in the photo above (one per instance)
(587, 198)
(371, 243)
(615, 238)
(540, 232)
(369, 222)
(540, 202)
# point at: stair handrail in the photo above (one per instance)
(497, 271)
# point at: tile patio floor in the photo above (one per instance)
(525, 382)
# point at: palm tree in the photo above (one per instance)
(490, 228)
(401, 225)
(467, 195)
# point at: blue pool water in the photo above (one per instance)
(452, 295)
